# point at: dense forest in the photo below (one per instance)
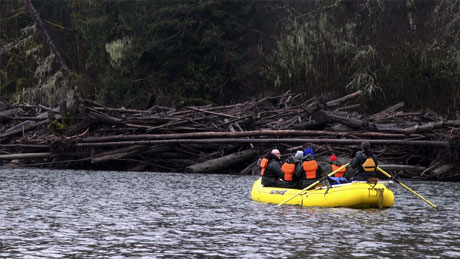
(142, 53)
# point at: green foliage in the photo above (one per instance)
(180, 49)
(379, 47)
(429, 75)
(16, 74)
(115, 91)
(8, 88)
(57, 128)
(317, 52)
(21, 84)
(363, 63)
(198, 52)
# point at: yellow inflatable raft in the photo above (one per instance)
(350, 195)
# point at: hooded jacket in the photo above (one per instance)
(357, 162)
(295, 164)
(273, 170)
(319, 172)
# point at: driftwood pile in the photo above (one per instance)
(82, 134)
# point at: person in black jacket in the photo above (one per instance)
(365, 163)
(312, 171)
(271, 169)
(292, 169)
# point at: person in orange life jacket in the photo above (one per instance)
(364, 163)
(341, 175)
(292, 169)
(271, 169)
(311, 170)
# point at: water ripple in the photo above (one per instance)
(61, 214)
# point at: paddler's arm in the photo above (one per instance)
(275, 167)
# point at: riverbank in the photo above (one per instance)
(82, 134)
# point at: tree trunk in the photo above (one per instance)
(235, 134)
(24, 156)
(212, 141)
(117, 154)
(214, 165)
(44, 33)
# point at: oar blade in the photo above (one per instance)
(407, 188)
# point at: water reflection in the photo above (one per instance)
(55, 214)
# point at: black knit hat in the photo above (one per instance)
(365, 145)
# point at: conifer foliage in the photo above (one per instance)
(135, 53)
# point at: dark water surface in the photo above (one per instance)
(82, 214)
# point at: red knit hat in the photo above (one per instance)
(333, 158)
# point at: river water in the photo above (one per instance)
(102, 214)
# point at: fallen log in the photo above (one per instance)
(358, 124)
(252, 133)
(202, 133)
(5, 116)
(25, 156)
(28, 125)
(214, 165)
(356, 142)
(387, 111)
(117, 153)
(102, 117)
(443, 169)
(338, 101)
(29, 146)
(350, 122)
(214, 113)
(348, 107)
(122, 110)
(426, 127)
(234, 120)
(27, 118)
(156, 149)
(54, 162)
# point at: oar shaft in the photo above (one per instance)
(418, 195)
(407, 188)
(312, 185)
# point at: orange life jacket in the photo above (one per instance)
(310, 169)
(288, 170)
(369, 165)
(263, 165)
(339, 173)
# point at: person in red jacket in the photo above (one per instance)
(340, 176)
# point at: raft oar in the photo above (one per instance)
(403, 185)
(313, 184)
